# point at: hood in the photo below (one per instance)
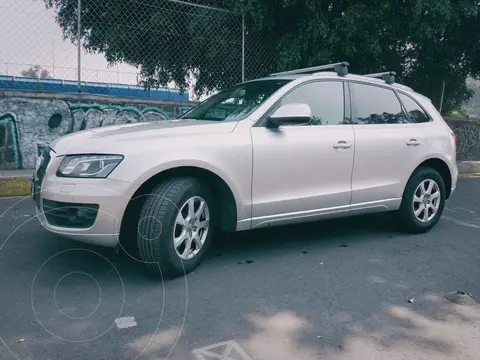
(114, 138)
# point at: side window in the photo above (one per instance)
(415, 112)
(325, 98)
(375, 105)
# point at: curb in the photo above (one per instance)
(12, 184)
(469, 176)
(468, 167)
(15, 186)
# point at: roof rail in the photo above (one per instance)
(341, 68)
(388, 76)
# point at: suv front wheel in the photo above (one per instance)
(175, 226)
(423, 201)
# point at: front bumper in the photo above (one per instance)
(454, 173)
(106, 199)
(452, 190)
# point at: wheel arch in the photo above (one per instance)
(442, 168)
(227, 203)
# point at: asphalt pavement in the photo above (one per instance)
(344, 289)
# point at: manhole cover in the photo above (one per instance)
(460, 298)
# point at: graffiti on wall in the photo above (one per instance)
(28, 125)
(9, 154)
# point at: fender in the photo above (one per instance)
(445, 160)
(243, 209)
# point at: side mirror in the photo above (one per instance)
(290, 114)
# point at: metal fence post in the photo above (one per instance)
(53, 58)
(79, 45)
(243, 47)
(441, 97)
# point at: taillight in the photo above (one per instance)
(454, 139)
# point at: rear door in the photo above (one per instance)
(387, 147)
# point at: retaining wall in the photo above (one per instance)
(30, 120)
(468, 137)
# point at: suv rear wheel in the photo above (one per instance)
(423, 201)
(175, 226)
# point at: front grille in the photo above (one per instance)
(70, 215)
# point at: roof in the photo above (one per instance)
(334, 75)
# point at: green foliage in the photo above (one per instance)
(36, 71)
(459, 113)
(425, 41)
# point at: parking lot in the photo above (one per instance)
(328, 290)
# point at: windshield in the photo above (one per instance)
(235, 103)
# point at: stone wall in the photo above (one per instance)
(473, 105)
(468, 138)
(30, 120)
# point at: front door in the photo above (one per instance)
(303, 172)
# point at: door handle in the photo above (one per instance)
(413, 142)
(342, 145)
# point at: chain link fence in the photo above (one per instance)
(31, 42)
(150, 43)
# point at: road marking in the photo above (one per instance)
(227, 350)
(462, 223)
(125, 322)
(455, 209)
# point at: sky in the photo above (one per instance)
(29, 36)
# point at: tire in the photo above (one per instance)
(407, 219)
(157, 226)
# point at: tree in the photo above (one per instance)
(427, 42)
(474, 104)
(36, 71)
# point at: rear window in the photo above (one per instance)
(415, 112)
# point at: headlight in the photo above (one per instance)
(88, 166)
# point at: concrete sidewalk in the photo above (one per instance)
(18, 182)
(16, 174)
(15, 182)
(469, 167)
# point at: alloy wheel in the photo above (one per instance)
(426, 200)
(191, 228)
